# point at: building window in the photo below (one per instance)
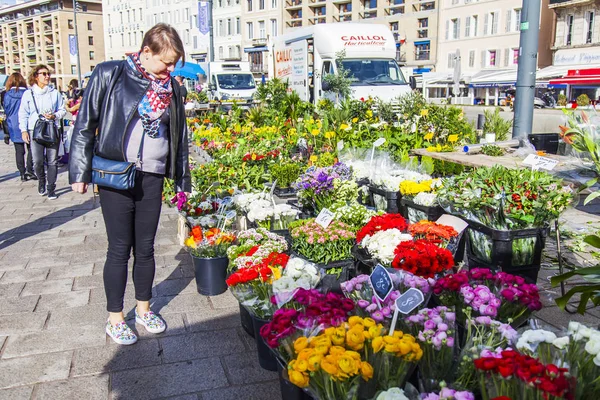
(455, 28)
(91, 40)
(70, 23)
(517, 20)
(89, 25)
(238, 26)
(273, 4)
(262, 34)
(122, 40)
(229, 27)
(494, 20)
(467, 27)
(91, 55)
(570, 20)
(274, 27)
(121, 14)
(515, 56)
(74, 69)
(250, 29)
(589, 32)
(261, 4)
(472, 58)
(238, 51)
(475, 20)
(490, 25)
(492, 58)
(422, 51)
(249, 5)
(451, 60)
(220, 52)
(221, 28)
(230, 50)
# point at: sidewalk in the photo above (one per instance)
(53, 311)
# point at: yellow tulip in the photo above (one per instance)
(190, 242)
(329, 134)
(300, 344)
(366, 370)
(429, 136)
(315, 132)
(354, 120)
(424, 112)
(344, 127)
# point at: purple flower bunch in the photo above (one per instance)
(359, 289)
(317, 180)
(505, 331)
(181, 200)
(407, 280)
(434, 326)
(448, 394)
(481, 299)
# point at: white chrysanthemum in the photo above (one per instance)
(382, 244)
(425, 199)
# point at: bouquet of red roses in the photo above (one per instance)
(517, 376)
(422, 258)
(252, 284)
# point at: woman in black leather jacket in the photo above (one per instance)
(132, 111)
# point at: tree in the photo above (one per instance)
(339, 83)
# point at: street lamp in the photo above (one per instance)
(75, 7)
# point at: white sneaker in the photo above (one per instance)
(121, 333)
(152, 322)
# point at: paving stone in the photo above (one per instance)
(262, 391)
(243, 368)
(26, 275)
(169, 250)
(113, 357)
(98, 295)
(54, 340)
(29, 370)
(559, 318)
(21, 323)
(181, 303)
(173, 287)
(48, 287)
(55, 301)
(218, 319)
(187, 377)
(88, 282)
(18, 393)
(89, 315)
(167, 273)
(2, 340)
(201, 345)
(224, 300)
(18, 305)
(184, 397)
(71, 271)
(13, 265)
(45, 262)
(89, 388)
(175, 326)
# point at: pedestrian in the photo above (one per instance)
(15, 88)
(184, 92)
(42, 99)
(132, 110)
(72, 106)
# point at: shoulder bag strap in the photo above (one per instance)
(34, 104)
(139, 160)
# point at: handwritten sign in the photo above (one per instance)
(379, 142)
(409, 300)
(539, 162)
(381, 281)
(324, 218)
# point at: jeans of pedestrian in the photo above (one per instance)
(131, 219)
(50, 156)
(20, 158)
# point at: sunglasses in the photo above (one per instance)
(44, 73)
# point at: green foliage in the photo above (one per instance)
(272, 93)
(339, 83)
(562, 100)
(285, 173)
(494, 123)
(385, 111)
(325, 160)
(427, 165)
(412, 104)
(492, 150)
(200, 97)
(583, 100)
(446, 168)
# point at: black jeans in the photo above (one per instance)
(50, 156)
(131, 218)
(20, 158)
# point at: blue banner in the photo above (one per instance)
(73, 49)
(203, 10)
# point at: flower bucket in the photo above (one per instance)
(266, 358)
(331, 282)
(246, 320)
(284, 193)
(289, 391)
(183, 229)
(415, 212)
(210, 275)
(389, 200)
(517, 252)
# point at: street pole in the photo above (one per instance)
(210, 33)
(75, 4)
(528, 49)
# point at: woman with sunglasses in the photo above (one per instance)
(48, 102)
(132, 110)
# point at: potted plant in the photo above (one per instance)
(284, 174)
(208, 249)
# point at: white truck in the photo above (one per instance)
(231, 80)
(304, 56)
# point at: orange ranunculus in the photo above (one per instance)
(197, 233)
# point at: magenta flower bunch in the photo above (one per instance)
(449, 394)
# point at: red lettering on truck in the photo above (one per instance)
(362, 38)
(283, 55)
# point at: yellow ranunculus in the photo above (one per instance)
(453, 138)
(369, 322)
(300, 344)
(366, 370)
(353, 354)
(298, 378)
(337, 340)
(390, 340)
(329, 331)
(336, 350)
(375, 331)
(424, 112)
(321, 349)
(340, 331)
(348, 364)
(320, 340)
(301, 365)
(328, 366)
(305, 354)
(314, 362)
(377, 344)
(355, 319)
(400, 334)
(404, 347)
(429, 136)
(355, 339)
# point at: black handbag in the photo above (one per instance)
(45, 131)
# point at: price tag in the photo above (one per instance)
(324, 218)
(340, 145)
(539, 162)
(230, 214)
(458, 224)
(381, 281)
(379, 142)
(409, 300)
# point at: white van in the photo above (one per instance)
(231, 81)
(304, 56)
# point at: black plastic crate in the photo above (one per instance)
(502, 249)
(331, 282)
(392, 199)
(422, 212)
(547, 142)
(284, 193)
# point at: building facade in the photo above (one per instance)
(576, 47)
(413, 22)
(227, 25)
(261, 23)
(127, 22)
(483, 36)
(37, 32)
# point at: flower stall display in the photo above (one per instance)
(271, 216)
(436, 233)
(353, 214)
(298, 273)
(419, 199)
(508, 211)
(422, 258)
(448, 394)
(394, 358)
(259, 242)
(322, 245)
(320, 188)
(285, 174)
(208, 249)
(394, 393)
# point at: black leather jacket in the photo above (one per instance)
(109, 103)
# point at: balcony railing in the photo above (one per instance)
(259, 42)
(343, 17)
(369, 14)
(568, 3)
(394, 10)
(258, 68)
(422, 33)
(318, 20)
(294, 3)
(296, 23)
(422, 55)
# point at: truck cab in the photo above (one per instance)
(230, 81)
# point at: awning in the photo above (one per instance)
(189, 70)
(558, 71)
(255, 49)
(501, 77)
(588, 76)
(422, 42)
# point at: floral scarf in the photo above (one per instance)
(156, 100)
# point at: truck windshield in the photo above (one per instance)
(236, 81)
(373, 72)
